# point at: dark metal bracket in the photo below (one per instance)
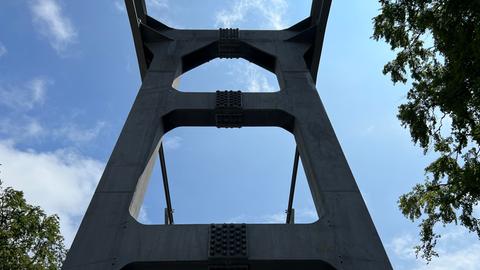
(229, 43)
(229, 109)
(228, 241)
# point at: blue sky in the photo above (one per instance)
(68, 77)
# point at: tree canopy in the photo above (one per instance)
(29, 239)
(437, 46)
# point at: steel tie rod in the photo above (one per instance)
(169, 210)
(292, 187)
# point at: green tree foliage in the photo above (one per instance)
(437, 46)
(29, 239)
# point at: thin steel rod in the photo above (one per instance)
(292, 186)
(167, 220)
(165, 184)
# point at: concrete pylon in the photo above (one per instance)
(344, 237)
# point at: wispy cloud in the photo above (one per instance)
(257, 80)
(457, 250)
(154, 7)
(302, 216)
(34, 128)
(24, 97)
(158, 4)
(20, 122)
(143, 216)
(3, 49)
(21, 128)
(61, 182)
(172, 142)
(119, 6)
(19, 102)
(272, 10)
(78, 135)
(160, 10)
(252, 77)
(403, 247)
(466, 258)
(52, 23)
(368, 130)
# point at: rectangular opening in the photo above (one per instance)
(228, 176)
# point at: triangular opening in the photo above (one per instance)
(228, 176)
(230, 74)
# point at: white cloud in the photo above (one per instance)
(21, 128)
(172, 143)
(273, 10)
(20, 124)
(34, 128)
(38, 87)
(61, 182)
(159, 9)
(119, 6)
(402, 246)
(458, 250)
(20, 100)
(74, 133)
(302, 216)
(274, 218)
(257, 80)
(368, 130)
(306, 215)
(155, 8)
(252, 77)
(3, 49)
(157, 4)
(48, 17)
(466, 258)
(143, 216)
(24, 97)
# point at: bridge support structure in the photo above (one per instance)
(110, 237)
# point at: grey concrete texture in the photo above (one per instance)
(110, 237)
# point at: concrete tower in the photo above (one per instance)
(344, 237)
